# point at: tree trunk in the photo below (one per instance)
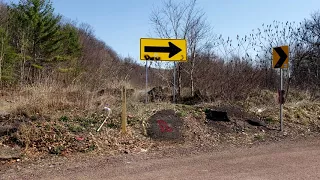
(192, 83)
(1, 57)
(23, 62)
(179, 81)
(193, 55)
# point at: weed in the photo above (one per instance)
(86, 122)
(133, 121)
(75, 128)
(187, 107)
(56, 150)
(259, 137)
(304, 122)
(58, 128)
(270, 120)
(47, 127)
(92, 147)
(33, 118)
(39, 124)
(198, 114)
(64, 119)
(182, 113)
(112, 125)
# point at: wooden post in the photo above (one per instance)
(124, 110)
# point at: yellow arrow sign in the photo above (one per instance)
(163, 49)
(280, 57)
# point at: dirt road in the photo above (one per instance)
(281, 160)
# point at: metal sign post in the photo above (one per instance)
(146, 81)
(281, 60)
(124, 110)
(174, 82)
(281, 103)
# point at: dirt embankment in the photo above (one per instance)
(74, 131)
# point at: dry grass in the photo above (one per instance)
(52, 99)
(53, 117)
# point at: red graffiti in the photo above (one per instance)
(164, 126)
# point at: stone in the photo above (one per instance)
(255, 122)
(165, 125)
(216, 115)
(7, 152)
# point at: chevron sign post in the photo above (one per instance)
(281, 61)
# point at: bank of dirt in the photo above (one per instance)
(70, 133)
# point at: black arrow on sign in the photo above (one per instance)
(171, 49)
(283, 57)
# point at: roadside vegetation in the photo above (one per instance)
(56, 77)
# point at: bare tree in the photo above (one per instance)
(307, 69)
(184, 21)
(303, 40)
(267, 37)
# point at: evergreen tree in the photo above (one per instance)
(41, 26)
(40, 37)
(70, 42)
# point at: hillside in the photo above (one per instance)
(57, 77)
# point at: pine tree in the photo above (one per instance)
(37, 17)
(70, 54)
(70, 42)
(36, 35)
